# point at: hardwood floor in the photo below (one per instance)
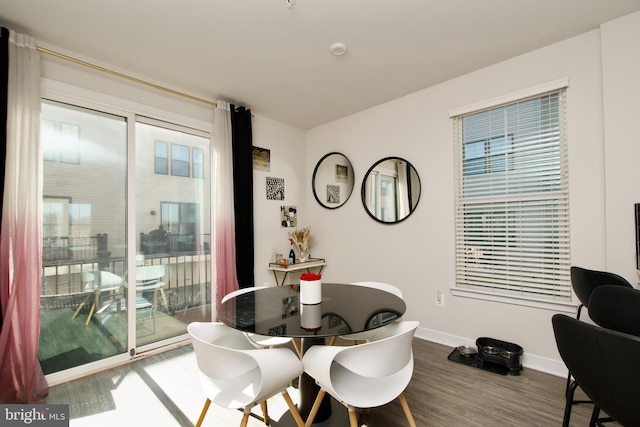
(164, 390)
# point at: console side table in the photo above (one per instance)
(312, 263)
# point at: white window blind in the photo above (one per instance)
(512, 199)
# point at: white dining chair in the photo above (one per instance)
(149, 278)
(262, 341)
(107, 282)
(368, 335)
(236, 375)
(366, 375)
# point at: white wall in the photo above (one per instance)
(418, 254)
(621, 81)
(287, 161)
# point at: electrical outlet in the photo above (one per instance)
(439, 298)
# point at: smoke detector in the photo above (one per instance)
(338, 49)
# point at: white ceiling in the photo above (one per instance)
(276, 60)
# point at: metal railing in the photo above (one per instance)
(61, 248)
(187, 282)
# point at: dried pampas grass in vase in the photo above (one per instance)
(302, 239)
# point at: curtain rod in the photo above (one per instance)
(124, 76)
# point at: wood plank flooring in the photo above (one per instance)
(164, 390)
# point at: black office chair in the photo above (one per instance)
(616, 308)
(584, 282)
(604, 362)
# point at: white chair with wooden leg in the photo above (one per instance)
(149, 278)
(366, 375)
(96, 283)
(236, 375)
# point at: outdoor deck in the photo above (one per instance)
(67, 340)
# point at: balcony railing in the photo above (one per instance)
(65, 248)
(187, 283)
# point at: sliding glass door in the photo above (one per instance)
(173, 196)
(107, 184)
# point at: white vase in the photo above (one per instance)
(310, 291)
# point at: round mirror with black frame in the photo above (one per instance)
(391, 190)
(333, 180)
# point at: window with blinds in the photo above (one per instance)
(512, 199)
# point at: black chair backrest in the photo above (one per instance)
(617, 308)
(585, 281)
(604, 363)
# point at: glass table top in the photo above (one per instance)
(344, 309)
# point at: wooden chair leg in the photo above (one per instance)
(265, 412)
(296, 347)
(93, 308)
(333, 340)
(75, 314)
(407, 411)
(245, 420)
(293, 409)
(164, 299)
(205, 408)
(315, 408)
(353, 418)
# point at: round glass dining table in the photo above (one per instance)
(344, 309)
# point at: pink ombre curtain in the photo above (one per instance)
(21, 378)
(223, 217)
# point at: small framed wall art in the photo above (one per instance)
(275, 188)
(288, 217)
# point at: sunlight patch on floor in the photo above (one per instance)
(168, 393)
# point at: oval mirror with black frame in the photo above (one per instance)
(332, 180)
(391, 190)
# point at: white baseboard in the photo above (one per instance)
(529, 361)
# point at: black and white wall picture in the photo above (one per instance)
(333, 194)
(275, 188)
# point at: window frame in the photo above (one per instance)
(161, 157)
(178, 164)
(197, 163)
(563, 300)
(166, 162)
